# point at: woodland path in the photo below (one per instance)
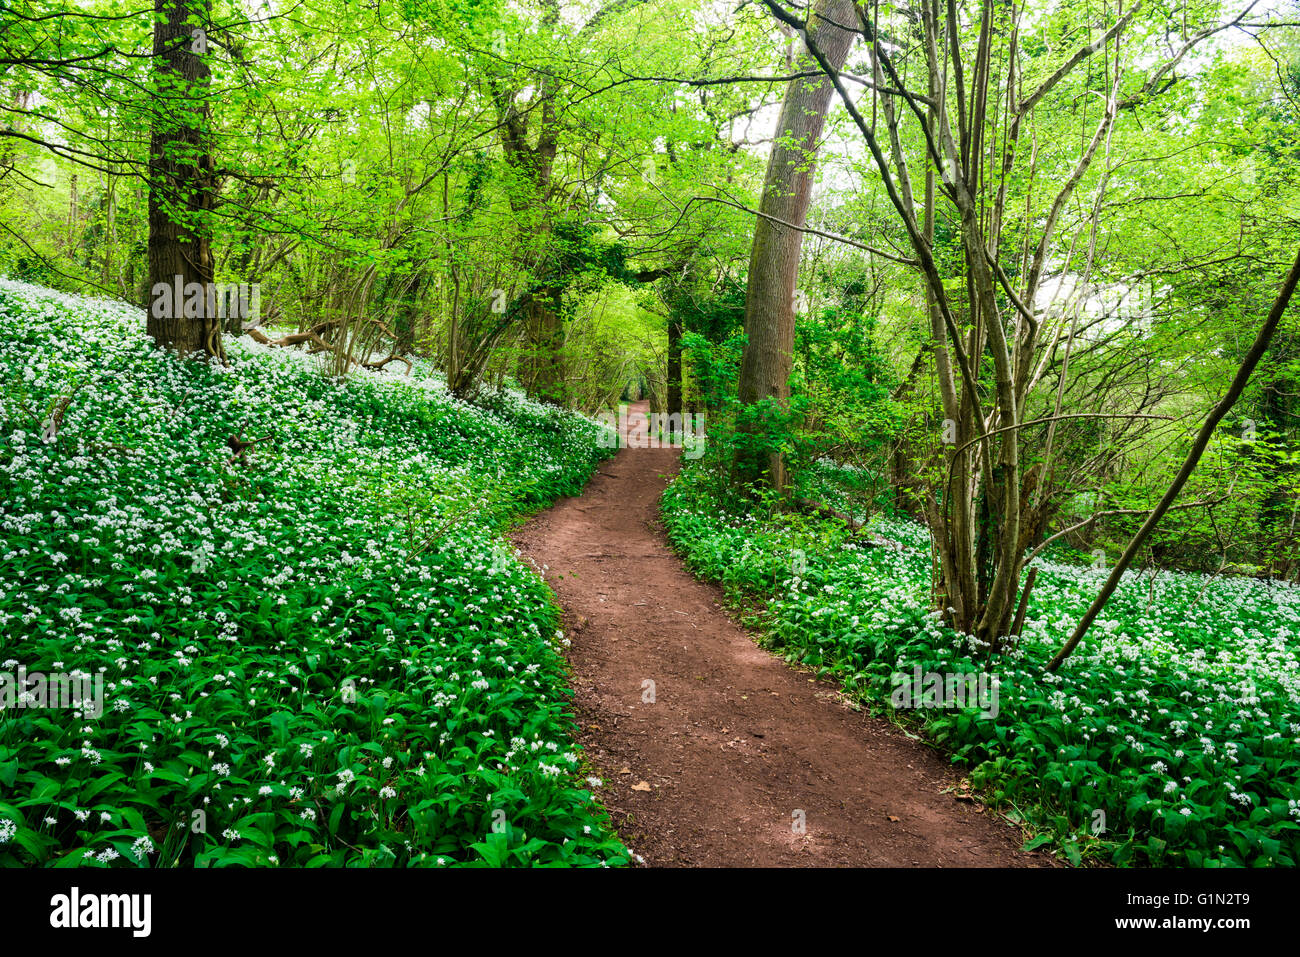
(736, 741)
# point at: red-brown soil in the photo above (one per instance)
(737, 747)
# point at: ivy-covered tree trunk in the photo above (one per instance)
(544, 360)
(774, 259)
(181, 187)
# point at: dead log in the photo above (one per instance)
(823, 510)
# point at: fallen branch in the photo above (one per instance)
(1257, 350)
(292, 339)
(317, 344)
(393, 358)
(1209, 503)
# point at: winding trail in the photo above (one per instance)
(737, 748)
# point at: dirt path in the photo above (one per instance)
(737, 747)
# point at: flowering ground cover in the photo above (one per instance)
(1169, 737)
(321, 654)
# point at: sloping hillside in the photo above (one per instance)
(318, 652)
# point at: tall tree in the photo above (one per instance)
(181, 182)
(787, 190)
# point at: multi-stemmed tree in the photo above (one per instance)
(952, 91)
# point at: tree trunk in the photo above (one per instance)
(674, 366)
(774, 260)
(545, 357)
(181, 182)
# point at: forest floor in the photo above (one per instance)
(732, 757)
